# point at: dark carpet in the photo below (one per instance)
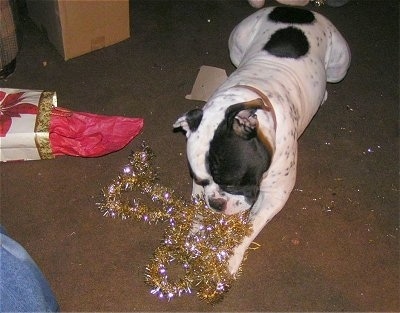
(334, 247)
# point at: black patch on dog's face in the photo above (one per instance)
(291, 15)
(288, 42)
(237, 162)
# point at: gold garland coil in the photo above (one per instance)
(197, 238)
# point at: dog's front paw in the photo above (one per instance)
(197, 191)
(236, 260)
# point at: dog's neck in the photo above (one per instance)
(267, 104)
(267, 138)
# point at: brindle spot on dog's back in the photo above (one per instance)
(288, 42)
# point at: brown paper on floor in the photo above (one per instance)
(208, 80)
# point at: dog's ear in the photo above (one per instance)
(242, 118)
(190, 121)
(245, 123)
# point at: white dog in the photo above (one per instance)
(242, 146)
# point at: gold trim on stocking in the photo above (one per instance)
(42, 125)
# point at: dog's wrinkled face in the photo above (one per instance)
(226, 155)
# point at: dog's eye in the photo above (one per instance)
(202, 182)
(250, 192)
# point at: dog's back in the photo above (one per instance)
(286, 44)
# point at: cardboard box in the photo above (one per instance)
(79, 27)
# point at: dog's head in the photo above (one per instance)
(227, 153)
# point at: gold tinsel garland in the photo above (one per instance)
(197, 238)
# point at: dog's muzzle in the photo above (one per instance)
(218, 204)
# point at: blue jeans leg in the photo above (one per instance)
(23, 287)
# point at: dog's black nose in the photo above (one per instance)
(217, 204)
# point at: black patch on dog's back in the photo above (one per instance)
(291, 15)
(288, 42)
